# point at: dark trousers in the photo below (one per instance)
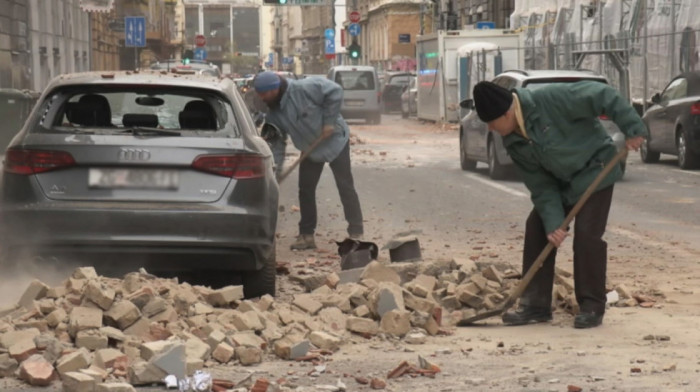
(590, 256)
(310, 174)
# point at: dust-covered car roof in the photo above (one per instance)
(142, 77)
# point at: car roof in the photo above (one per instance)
(143, 78)
(550, 73)
(354, 68)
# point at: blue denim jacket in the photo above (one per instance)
(307, 106)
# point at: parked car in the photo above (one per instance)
(673, 122)
(478, 144)
(362, 97)
(409, 98)
(127, 170)
(392, 90)
(193, 66)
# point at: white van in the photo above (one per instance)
(362, 93)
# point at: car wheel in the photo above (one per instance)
(263, 281)
(496, 170)
(647, 155)
(466, 163)
(686, 158)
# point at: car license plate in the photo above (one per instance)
(354, 102)
(133, 178)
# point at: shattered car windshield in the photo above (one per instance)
(131, 110)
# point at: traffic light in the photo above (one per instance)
(185, 61)
(275, 2)
(186, 56)
(354, 50)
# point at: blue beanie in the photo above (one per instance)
(266, 81)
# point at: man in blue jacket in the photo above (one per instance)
(557, 142)
(307, 110)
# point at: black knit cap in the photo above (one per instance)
(491, 100)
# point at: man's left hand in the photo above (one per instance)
(327, 131)
(634, 143)
(557, 237)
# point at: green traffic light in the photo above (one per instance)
(186, 61)
(283, 1)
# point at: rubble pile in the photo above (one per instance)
(102, 334)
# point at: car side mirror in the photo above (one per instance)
(467, 104)
(656, 98)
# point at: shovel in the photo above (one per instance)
(518, 291)
(296, 163)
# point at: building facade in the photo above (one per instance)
(15, 71)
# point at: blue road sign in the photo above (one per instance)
(135, 31)
(200, 53)
(329, 33)
(330, 46)
(354, 29)
(485, 25)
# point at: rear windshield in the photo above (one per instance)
(535, 84)
(400, 80)
(355, 80)
(120, 109)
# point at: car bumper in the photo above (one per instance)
(175, 238)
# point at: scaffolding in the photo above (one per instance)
(639, 45)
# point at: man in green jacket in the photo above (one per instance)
(554, 137)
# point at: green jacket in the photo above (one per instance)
(567, 145)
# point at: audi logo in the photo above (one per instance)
(134, 154)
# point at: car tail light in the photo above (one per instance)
(603, 117)
(234, 166)
(695, 108)
(26, 162)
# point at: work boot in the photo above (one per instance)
(588, 320)
(526, 315)
(304, 242)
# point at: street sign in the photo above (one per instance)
(329, 33)
(135, 31)
(200, 40)
(330, 47)
(117, 25)
(354, 17)
(200, 53)
(354, 29)
(485, 25)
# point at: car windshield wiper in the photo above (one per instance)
(142, 131)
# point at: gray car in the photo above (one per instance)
(129, 170)
(478, 144)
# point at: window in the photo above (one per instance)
(675, 90)
(355, 80)
(110, 110)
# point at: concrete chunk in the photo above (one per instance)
(91, 339)
(246, 321)
(8, 339)
(333, 320)
(467, 297)
(380, 273)
(247, 339)
(225, 296)
(491, 273)
(56, 317)
(325, 340)
(115, 387)
(307, 303)
(107, 357)
(223, 353)
(82, 318)
(292, 346)
(196, 348)
(144, 373)
(36, 290)
(151, 349)
(113, 333)
(23, 349)
(154, 307)
(362, 326)
(122, 314)
(84, 273)
(73, 362)
(37, 371)
(101, 296)
(248, 355)
(8, 365)
(396, 322)
(173, 360)
(387, 296)
(78, 382)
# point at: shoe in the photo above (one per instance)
(588, 320)
(526, 315)
(304, 242)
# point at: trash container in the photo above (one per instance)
(15, 107)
